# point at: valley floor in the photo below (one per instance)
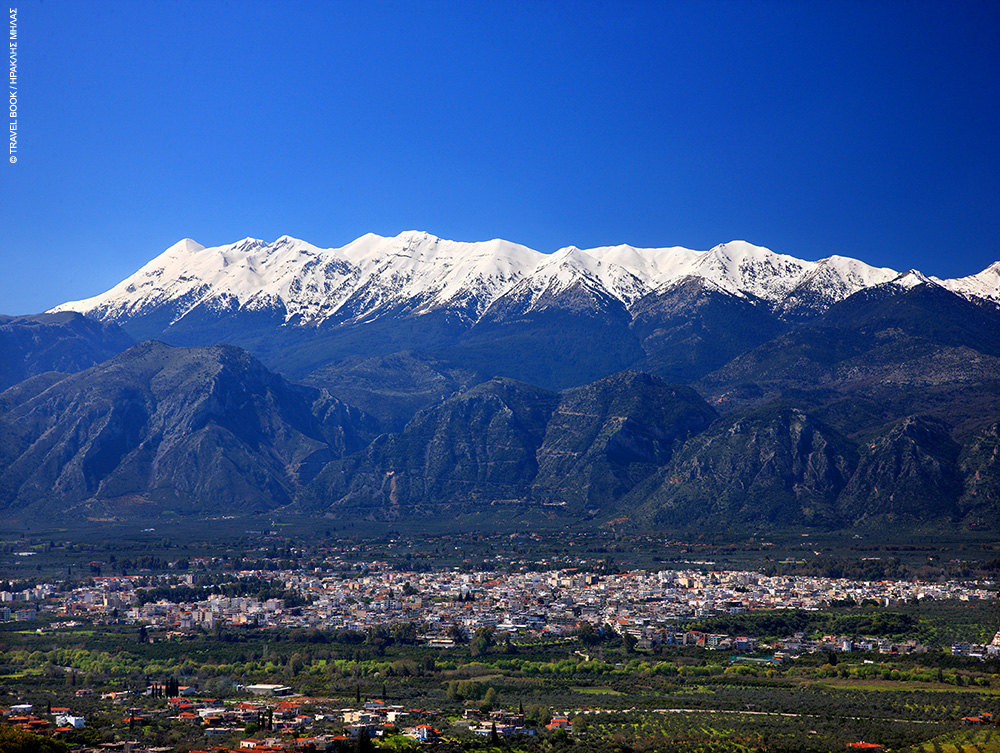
(137, 641)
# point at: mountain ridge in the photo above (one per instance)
(195, 427)
(415, 273)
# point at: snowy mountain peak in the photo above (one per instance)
(742, 268)
(985, 284)
(911, 279)
(184, 246)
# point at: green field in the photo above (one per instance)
(672, 699)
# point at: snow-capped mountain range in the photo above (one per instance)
(419, 376)
(415, 273)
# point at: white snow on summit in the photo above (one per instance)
(911, 279)
(415, 273)
(313, 284)
(986, 284)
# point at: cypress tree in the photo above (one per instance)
(364, 741)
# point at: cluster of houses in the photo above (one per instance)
(288, 724)
(642, 604)
(55, 720)
(977, 650)
(282, 720)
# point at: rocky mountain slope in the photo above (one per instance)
(511, 444)
(299, 308)
(206, 429)
(479, 307)
(64, 342)
(635, 449)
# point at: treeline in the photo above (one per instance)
(786, 622)
(142, 562)
(890, 568)
(16, 740)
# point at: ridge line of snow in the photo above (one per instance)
(418, 272)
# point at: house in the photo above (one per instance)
(260, 746)
(287, 709)
(359, 717)
(247, 712)
(440, 643)
(269, 690)
(984, 718)
(354, 730)
(422, 732)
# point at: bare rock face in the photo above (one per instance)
(206, 429)
(606, 437)
(475, 448)
(909, 473)
(773, 466)
(508, 442)
(65, 342)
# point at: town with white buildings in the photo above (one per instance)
(650, 606)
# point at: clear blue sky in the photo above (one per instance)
(866, 129)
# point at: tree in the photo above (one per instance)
(538, 715)
(587, 635)
(628, 642)
(457, 634)
(482, 641)
(404, 633)
(489, 700)
(559, 736)
(295, 664)
(14, 740)
(364, 741)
